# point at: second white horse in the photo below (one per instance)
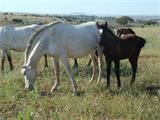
(15, 38)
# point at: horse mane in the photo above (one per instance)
(34, 35)
(111, 33)
(131, 31)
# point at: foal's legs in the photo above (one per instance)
(68, 69)
(3, 59)
(9, 59)
(133, 62)
(108, 62)
(56, 69)
(117, 65)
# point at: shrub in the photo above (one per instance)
(17, 20)
(150, 22)
(124, 20)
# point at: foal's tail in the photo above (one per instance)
(141, 42)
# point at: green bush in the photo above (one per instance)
(150, 22)
(124, 20)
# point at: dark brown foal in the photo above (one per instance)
(116, 49)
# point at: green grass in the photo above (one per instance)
(142, 102)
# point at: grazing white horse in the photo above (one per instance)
(61, 41)
(15, 38)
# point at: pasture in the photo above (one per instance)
(141, 102)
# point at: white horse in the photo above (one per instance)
(15, 38)
(61, 41)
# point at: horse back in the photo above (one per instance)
(133, 40)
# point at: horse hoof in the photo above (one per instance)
(108, 87)
(98, 82)
(90, 81)
(75, 70)
(30, 87)
(131, 84)
(53, 89)
(11, 69)
(44, 69)
(76, 94)
(119, 88)
(75, 66)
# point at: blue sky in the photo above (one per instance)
(96, 7)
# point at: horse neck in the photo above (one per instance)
(112, 38)
(35, 55)
(32, 41)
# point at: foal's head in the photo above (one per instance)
(29, 75)
(102, 26)
(106, 35)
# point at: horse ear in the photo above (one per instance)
(106, 24)
(97, 24)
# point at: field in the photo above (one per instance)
(141, 102)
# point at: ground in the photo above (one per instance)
(141, 102)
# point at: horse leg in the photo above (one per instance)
(75, 64)
(133, 63)
(117, 65)
(3, 59)
(108, 62)
(10, 59)
(90, 60)
(94, 66)
(89, 63)
(56, 69)
(68, 70)
(45, 61)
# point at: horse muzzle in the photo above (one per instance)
(30, 87)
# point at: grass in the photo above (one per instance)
(142, 102)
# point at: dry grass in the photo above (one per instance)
(142, 102)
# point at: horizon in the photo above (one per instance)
(118, 15)
(97, 8)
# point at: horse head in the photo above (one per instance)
(104, 33)
(102, 26)
(29, 74)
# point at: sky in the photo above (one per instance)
(92, 7)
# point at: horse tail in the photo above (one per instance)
(34, 35)
(141, 42)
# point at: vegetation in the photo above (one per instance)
(142, 102)
(150, 22)
(124, 20)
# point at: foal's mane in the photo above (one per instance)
(111, 34)
(34, 35)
